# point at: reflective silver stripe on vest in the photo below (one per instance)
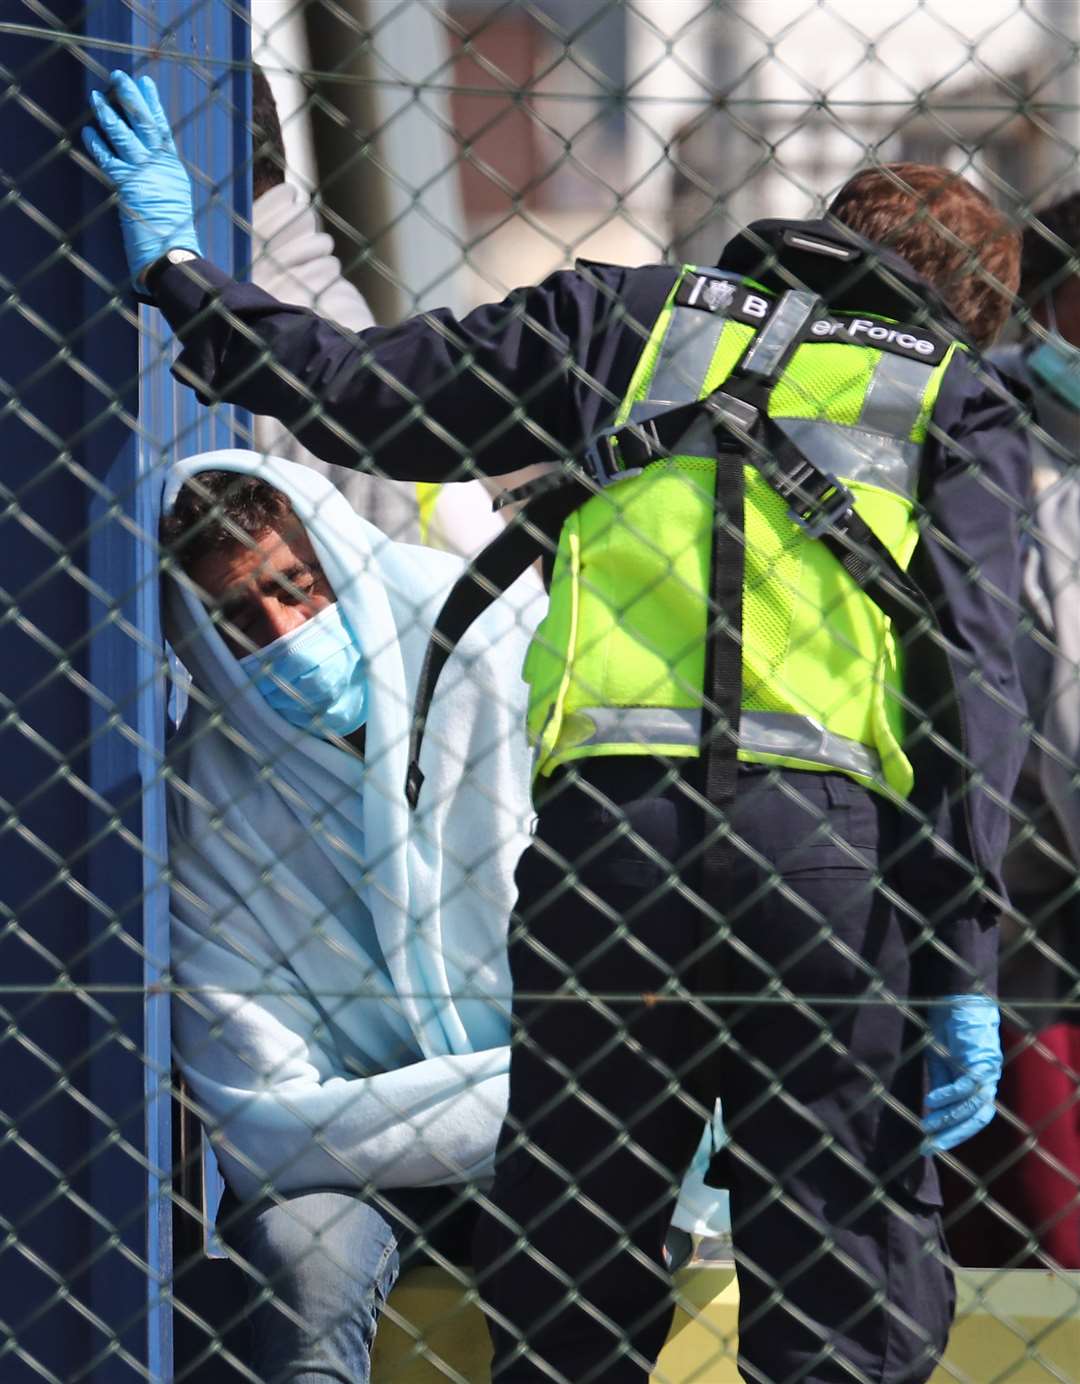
(686, 353)
(641, 725)
(760, 732)
(853, 454)
(876, 452)
(894, 396)
(801, 737)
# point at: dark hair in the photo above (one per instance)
(947, 231)
(267, 145)
(1051, 243)
(220, 509)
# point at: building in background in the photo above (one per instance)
(566, 110)
(362, 88)
(456, 151)
(565, 128)
(804, 95)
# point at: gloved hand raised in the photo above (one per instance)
(964, 1068)
(156, 211)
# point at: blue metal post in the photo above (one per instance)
(90, 417)
(44, 911)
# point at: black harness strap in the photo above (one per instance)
(716, 770)
(818, 502)
(735, 418)
(531, 534)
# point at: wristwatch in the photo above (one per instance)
(160, 265)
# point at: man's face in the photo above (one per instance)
(1066, 311)
(265, 589)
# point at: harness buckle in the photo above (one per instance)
(818, 506)
(602, 459)
(733, 420)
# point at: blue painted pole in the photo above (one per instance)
(89, 418)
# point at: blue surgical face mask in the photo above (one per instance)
(1055, 362)
(314, 676)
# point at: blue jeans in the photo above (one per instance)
(318, 1268)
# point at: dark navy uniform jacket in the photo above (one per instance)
(532, 378)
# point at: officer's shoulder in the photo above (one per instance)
(998, 372)
(627, 293)
(594, 266)
(603, 269)
(1009, 363)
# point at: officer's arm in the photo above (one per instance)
(432, 399)
(975, 483)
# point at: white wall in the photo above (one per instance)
(279, 45)
(410, 55)
(668, 80)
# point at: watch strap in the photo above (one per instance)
(166, 261)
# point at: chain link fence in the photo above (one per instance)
(325, 1056)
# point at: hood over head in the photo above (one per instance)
(476, 755)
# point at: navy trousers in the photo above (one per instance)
(615, 1059)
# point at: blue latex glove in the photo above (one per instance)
(156, 211)
(964, 1068)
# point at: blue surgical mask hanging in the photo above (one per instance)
(1055, 363)
(314, 676)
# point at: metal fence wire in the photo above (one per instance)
(663, 962)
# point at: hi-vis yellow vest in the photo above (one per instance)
(617, 666)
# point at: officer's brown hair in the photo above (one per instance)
(947, 231)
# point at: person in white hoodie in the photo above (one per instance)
(342, 997)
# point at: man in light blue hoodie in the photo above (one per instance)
(341, 1013)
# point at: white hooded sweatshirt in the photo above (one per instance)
(343, 996)
(342, 999)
